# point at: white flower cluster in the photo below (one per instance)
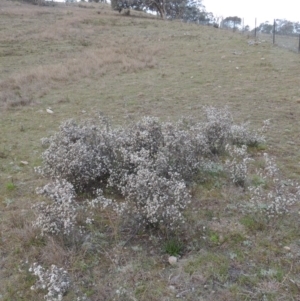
(79, 154)
(241, 135)
(155, 199)
(270, 170)
(150, 198)
(280, 195)
(217, 128)
(185, 146)
(59, 216)
(103, 202)
(238, 165)
(145, 134)
(55, 280)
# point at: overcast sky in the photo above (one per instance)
(263, 10)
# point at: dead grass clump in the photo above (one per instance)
(27, 241)
(224, 226)
(17, 220)
(24, 87)
(10, 100)
(53, 251)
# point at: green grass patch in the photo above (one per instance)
(209, 264)
(234, 238)
(173, 247)
(254, 223)
(257, 181)
(10, 186)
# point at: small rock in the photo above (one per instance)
(24, 162)
(49, 111)
(221, 238)
(136, 248)
(287, 248)
(172, 288)
(172, 260)
(237, 68)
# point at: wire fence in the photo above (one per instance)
(290, 41)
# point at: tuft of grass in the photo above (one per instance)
(272, 273)
(254, 223)
(257, 181)
(214, 238)
(173, 247)
(234, 238)
(10, 186)
(261, 147)
(210, 264)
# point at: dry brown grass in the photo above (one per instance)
(79, 61)
(35, 82)
(63, 46)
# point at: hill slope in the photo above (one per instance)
(82, 59)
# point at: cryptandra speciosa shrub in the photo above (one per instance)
(154, 199)
(241, 135)
(217, 128)
(149, 199)
(58, 215)
(55, 280)
(185, 146)
(237, 165)
(80, 154)
(280, 195)
(150, 163)
(133, 145)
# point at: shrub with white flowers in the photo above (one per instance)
(145, 134)
(154, 199)
(150, 198)
(217, 128)
(102, 202)
(280, 195)
(237, 166)
(80, 154)
(242, 135)
(55, 280)
(150, 163)
(58, 216)
(185, 146)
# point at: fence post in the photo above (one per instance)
(299, 44)
(243, 26)
(255, 29)
(274, 30)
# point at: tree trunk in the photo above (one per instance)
(160, 8)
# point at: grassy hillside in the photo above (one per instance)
(82, 59)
